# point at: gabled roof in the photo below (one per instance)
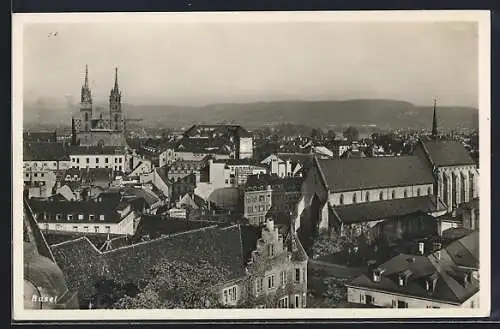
(422, 268)
(39, 136)
(465, 251)
(378, 210)
(369, 173)
(45, 151)
(97, 150)
(443, 153)
(84, 264)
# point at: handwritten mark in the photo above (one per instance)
(52, 34)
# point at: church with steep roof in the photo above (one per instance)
(90, 128)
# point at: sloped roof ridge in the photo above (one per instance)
(72, 241)
(161, 238)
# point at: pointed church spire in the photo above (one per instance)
(434, 123)
(116, 79)
(86, 83)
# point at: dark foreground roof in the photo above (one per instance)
(370, 211)
(369, 173)
(45, 151)
(447, 153)
(84, 264)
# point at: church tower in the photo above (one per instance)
(115, 106)
(85, 103)
(434, 134)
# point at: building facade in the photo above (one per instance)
(98, 157)
(103, 129)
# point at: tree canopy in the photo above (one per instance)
(351, 133)
(173, 284)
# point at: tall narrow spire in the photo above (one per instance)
(86, 83)
(116, 79)
(434, 123)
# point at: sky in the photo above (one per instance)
(201, 63)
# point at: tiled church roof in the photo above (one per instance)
(447, 153)
(369, 173)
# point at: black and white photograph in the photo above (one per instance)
(241, 165)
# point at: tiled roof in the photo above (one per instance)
(448, 287)
(239, 162)
(107, 208)
(277, 183)
(207, 130)
(222, 247)
(89, 175)
(205, 146)
(305, 159)
(153, 225)
(95, 150)
(465, 251)
(44, 151)
(39, 136)
(368, 173)
(447, 153)
(377, 210)
(148, 196)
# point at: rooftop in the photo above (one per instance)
(96, 150)
(217, 130)
(84, 264)
(289, 184)
(45, 151)
(449, 285)
(447, 153)
(356, 174)
(370, 211)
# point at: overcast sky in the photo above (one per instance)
(188, 64)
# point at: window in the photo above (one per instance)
(88, 160)
(72, 159)
(96, 229)
(405, 193)
(283, 302)
(58, 216)
(116, 160)
(80, 216)
(119, 168)
(402, 304)
(418, 192)
(86, 228)
(120, 160)
(75, 228)
(36, 175)
(341, 199)
(69, 217)
(106, 160)
(258, 285)
(249, 209)
(283, 278)
(42, 174)
(270, 282)
(367, 197)
(101, 217)
(108, 229)
(96, 160)
(77, 160)
(297, 301)
(381, 195)
(369, 299)
(297, 275)
(354, 198)
(429, 191)
(271, 250)
(393, 195)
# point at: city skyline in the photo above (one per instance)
(203, 63)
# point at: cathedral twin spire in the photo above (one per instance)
(114, 98)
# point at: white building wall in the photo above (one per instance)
(246, 147)
(374, 194)
(114, 161)
(383, 299)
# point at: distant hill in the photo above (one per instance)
(325, 114)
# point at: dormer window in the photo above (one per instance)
(377, 274)
(101, 217)
(70, 217)
(58, 216)
(403, 278)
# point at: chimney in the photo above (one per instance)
(421, 248)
